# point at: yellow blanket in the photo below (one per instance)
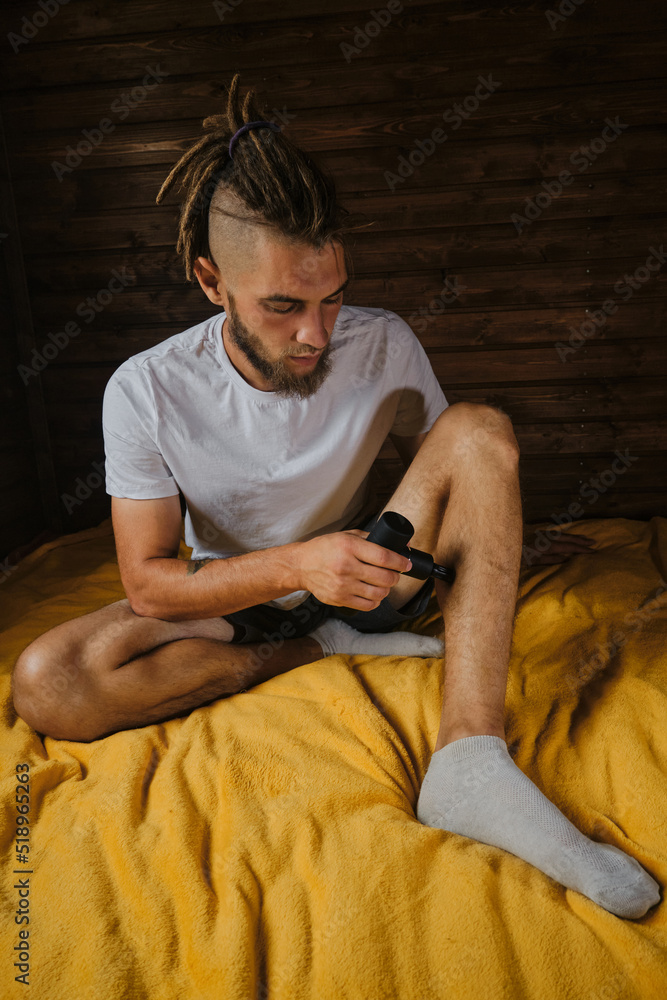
(266, 846)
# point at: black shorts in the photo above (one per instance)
(262, 622)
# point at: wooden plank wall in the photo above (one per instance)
(554, 82)
(27, 475)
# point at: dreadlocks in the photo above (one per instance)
(269, 183)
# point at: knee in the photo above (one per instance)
(49, 693)
(26, 686)
(478, 424)
(505, 430)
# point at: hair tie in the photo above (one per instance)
(248, 125)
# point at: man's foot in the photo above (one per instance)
(473, 787)
(334, 636)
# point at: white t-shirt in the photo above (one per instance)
(257, 469)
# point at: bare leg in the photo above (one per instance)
(111, 670)
(472, 786)
(461, 493)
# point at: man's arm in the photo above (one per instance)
(160, 585)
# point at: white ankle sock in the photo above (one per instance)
(473, 787)
(335, 636)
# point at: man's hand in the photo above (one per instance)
(344, 570)
(540, 550)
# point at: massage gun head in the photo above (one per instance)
(394, 532)
(446, 573)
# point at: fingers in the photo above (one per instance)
(373, 594)
(375, 569)
(377, 576)
(383, 559)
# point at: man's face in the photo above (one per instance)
(283, 308)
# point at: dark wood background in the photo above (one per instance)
(452, 218)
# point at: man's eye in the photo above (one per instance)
(327, 302)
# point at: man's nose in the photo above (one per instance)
(313, 332)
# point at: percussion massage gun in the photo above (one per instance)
(393, 531)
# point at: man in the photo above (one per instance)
(267, 417)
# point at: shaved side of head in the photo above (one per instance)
(235, 235)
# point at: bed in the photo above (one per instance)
(265, 845)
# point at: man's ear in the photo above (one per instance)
(210, 280)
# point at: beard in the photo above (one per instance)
(285, 380)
